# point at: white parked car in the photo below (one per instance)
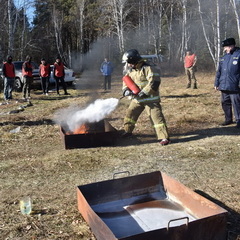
(69, 76)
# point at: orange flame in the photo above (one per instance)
(81, 130)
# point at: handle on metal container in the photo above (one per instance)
(117, 173)
(178, 219)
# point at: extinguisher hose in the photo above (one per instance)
(122, 97)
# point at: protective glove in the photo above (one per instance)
(142, 94)
(127, 92)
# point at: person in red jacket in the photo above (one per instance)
(190, 61)
(9, 77)
(44, 72)
(59, 74)
(27, 69)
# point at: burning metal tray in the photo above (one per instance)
(150, 206)
(99, 134)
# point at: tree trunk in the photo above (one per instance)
(205, 33)
(81, 6)
(57, 21)
(23, 33)
(10, 27)
(218, 45)
(118, 15)
(170, 26)
(184, 29)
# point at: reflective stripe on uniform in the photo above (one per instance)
(153, 75)
(153, 98)
(142, 84)
(129, 120)
(159, 125)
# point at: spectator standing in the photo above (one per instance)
(147, 79)
(228, 81)
(44, 72)
(107, 69)
(27, 69)
(190, 61)
(8, 71)
(59, 74)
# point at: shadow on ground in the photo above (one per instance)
(181, 137)
(205, 133)
(28, 123)
(233, 226)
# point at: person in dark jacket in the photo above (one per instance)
(228, 81)
(8, 71)
(106, 70)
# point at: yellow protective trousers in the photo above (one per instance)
(154, 111)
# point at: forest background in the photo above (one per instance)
(83, 32)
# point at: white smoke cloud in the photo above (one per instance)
(73, 117)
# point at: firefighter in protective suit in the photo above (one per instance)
(147, 79)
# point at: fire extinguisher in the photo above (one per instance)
(131, 84)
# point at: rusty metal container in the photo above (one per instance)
(151, 206)
(99, 134)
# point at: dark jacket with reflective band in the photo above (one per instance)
(147, 78)
(228, 73)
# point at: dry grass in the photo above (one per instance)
(202, 156)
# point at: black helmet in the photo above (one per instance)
(131, 56)
(9, 58)
(228, 42)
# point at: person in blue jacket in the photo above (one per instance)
(107, 69)
(228, 81)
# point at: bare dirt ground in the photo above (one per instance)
(203, 156)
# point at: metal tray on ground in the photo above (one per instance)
(151, 206)
(101, 134)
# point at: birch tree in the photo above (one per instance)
(155, 16)
(57, 23)
(23, 33)
(218, 40)
(81, 7)
(10, 27)
(158, 43)
(184, 44)
(170, 29)
(120, 12)
(119, 15)
(214, 49)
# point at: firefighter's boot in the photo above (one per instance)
(195, 86)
